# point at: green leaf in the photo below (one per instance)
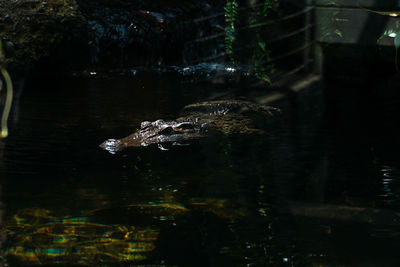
(262, 46)
(266, 79)
(339, 33)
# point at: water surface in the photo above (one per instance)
(313, 192)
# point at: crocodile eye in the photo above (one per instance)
(184, 125)
(167, 130)
(145, 124)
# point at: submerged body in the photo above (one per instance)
(196, 121)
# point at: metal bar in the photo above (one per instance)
(220, 14)
(282, 37)
(223, 54)
(292, 52)
(203, 39)
(295, 70)
(305, 10)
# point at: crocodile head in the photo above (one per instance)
(160, 132)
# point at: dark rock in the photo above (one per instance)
(34, 30)
(69, 34)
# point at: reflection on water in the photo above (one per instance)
(390, 185)
(36, 236)
(202, 72)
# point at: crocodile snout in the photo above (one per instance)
(112, 145)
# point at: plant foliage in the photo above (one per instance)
(261, 54)
(231, 19)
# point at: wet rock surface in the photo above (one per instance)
(33, 30)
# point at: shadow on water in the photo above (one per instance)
(304, 194)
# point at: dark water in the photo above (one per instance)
(320, 189)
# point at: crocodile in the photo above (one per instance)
(196, 121)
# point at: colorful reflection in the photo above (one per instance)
(36, 237)
(222, 208)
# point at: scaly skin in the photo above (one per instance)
(197, 120)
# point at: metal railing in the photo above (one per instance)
(293, 43)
